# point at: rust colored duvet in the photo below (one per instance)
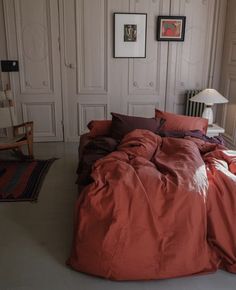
(157, 208)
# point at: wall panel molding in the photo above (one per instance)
(89, 112)
(142, 109)
(232, 54)
(36, 110)
(218, 43)
(32, 30)
(147, 75)
(226, 116)
(229, 120)
(92, 67)
(34, 47)
(189, 62)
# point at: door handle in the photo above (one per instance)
(70, 65)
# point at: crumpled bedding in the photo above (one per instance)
(92, 151)
(157, 208)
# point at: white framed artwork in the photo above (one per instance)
(130, 33)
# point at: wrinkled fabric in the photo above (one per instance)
(157, 208)
(91, 151)
(194, 134)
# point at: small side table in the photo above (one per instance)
(214, 130)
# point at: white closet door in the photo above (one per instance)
(95, 82)
(32, 30)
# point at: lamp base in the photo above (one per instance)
(208, 114)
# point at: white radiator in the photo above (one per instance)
(192, 108)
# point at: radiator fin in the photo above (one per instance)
(192, 108)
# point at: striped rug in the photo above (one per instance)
(22, 180)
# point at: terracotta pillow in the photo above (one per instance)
(176, 122)
(123, 124)
(99, 128)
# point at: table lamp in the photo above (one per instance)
(209, 97)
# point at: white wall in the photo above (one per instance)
(94, 83)
(227, 113)
(32, 34)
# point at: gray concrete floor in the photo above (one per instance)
(35, 239)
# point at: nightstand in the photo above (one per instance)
(214, 130)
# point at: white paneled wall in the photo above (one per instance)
(32, 34)
(97, 84)
(189, 62)
(227, 113)
(93, 83)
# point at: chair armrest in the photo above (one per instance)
(28, 128)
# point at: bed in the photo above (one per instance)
(154, 204)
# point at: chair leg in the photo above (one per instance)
(30, 149)
(18, 153)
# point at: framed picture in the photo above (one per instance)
(130, 32)
(171, 28)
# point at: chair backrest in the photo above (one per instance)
(6, 114)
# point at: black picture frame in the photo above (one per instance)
(163, 20)
(116, 53)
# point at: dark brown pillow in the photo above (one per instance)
(123, 124)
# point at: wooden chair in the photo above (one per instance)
(19, 136)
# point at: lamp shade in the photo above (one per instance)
(209, 97)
